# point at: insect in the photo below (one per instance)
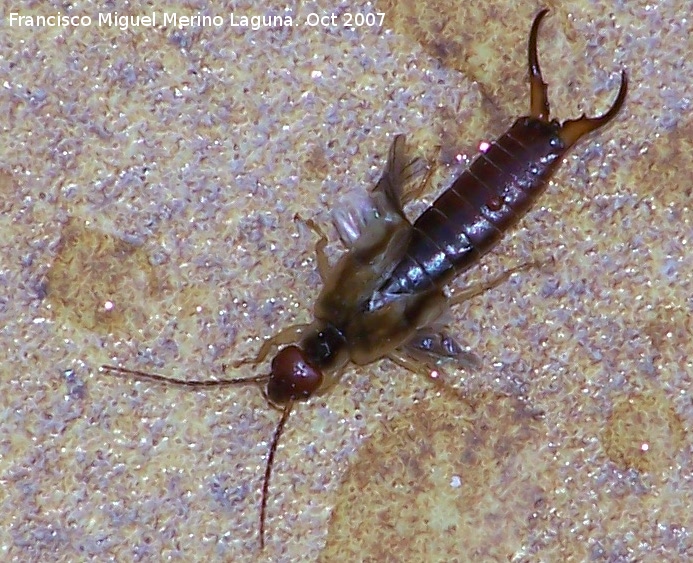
(384, 298)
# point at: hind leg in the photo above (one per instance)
(432, 345)
(477, 289)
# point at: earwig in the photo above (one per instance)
(384, 298)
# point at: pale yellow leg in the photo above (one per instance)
(321, 257)
(287, 336)
(477, 289)
(408, 363)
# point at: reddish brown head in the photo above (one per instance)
(292, 377)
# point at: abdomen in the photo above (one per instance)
(472, 214)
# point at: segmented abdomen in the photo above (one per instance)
(473, 213)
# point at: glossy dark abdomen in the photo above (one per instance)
(472, 214)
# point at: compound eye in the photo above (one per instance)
(292, 376)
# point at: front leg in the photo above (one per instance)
(320, 256)
(288, 335)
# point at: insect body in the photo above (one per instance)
(384, 298)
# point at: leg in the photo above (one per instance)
(407, 362)
(321, 257)
(287, 336)
(471, 292)
(427, 365)
(432, 344)
(432, 347)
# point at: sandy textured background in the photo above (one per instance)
(148, 181)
